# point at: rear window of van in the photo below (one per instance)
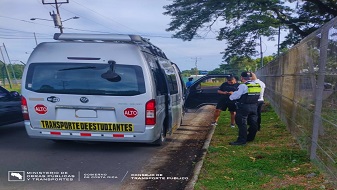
(86, 78)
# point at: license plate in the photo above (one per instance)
(87, 126)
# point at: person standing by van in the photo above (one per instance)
(247, 97)
(260, 100)
(225, 103)
(189, 82)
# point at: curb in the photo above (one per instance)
(190, 185)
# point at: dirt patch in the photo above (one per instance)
(305, 182)
(175, 161)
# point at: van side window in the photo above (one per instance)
(160, 82)
(157, 76)
(170, 75)
(173, 85)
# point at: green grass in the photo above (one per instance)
(273, 161)
(15, 87)
(211, 84)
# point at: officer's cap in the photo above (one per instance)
(246, 74)
(230, 77)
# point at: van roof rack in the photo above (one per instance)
(100, 37)
(111, 38)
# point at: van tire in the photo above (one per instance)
(162, 138)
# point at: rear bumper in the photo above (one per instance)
(150, 134)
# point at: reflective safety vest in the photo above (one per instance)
(253, 94)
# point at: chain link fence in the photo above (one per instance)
(301, 85)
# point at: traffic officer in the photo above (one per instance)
(260, 100)
(246, 98)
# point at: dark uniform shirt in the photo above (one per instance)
(229, 88)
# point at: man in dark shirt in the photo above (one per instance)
(225, 103)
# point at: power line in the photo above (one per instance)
(97, 13)
(6, 33)
(145, 35)
(105, 16)
(43, 25)
(10, 32)
(25, 21)
(87, 30)
(89, 19)
(23, 38)
(15, 19)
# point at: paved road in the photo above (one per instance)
(71, 161)
(96, 165)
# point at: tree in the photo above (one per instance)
(240, 63)
(17, 69)
(217, 71)
(266, 59)
(245, 21)
(186, 73)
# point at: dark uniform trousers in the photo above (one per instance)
(246, 113)
(259, 110)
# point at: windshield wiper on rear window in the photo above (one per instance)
(110, 74)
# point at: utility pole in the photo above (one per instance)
(278, 40)
(196, 65)
(10, 63)
(35, 38)
(261, 51)
(6, 71)
(56, 17)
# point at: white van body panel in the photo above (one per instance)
(57, 111)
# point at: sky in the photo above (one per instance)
(19, 35)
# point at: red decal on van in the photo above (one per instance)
(130, 112)
(41, 109)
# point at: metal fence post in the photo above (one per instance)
(319, 89)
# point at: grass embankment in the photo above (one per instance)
(15, 87)
(273, 161)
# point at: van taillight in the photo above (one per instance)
(24, 108)
(150, 112)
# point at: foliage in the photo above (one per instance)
(244, 22)
(266, 60)
(216, 71)
(243, 63)
(187, 73)
(13, 87)
(229, 69)
(238, 64)
(14, 71)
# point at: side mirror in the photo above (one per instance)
(198, 87)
